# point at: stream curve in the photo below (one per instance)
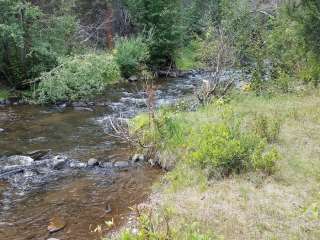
(29, 199)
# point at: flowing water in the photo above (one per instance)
(78, 197)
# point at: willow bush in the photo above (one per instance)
(77, 77)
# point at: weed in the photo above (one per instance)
(266, 127)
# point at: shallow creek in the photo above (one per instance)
(79, 197)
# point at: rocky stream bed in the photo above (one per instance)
(59, 167)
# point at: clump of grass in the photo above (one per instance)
(267, 127)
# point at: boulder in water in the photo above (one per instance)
(138, 158)
(93, 162)
(1, 130)
(59, 162)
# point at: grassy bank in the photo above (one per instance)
(246, 169)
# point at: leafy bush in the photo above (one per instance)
(162, 18)
(77, 77)
(221, 147)
(189, 57)
(131, 54)
(31, 41)
(224, 150)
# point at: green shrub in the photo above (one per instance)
(31, 41)
(267, 128)
(189, 57)
(224, 150)
(221, 147)
(162, 18)
(265, 161)
(77, 77)
(131, 54)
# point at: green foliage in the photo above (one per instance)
(244, 32)
(30, 40)
(189, 57)
(131, 55)
(310, 19)
(77, 77)
(225, 150)
(266, 127)
(161, 19)
(4, 94)
(290, 48)
(222, 147)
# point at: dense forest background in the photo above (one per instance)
(53, 47)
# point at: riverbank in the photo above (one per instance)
(80, 132)
(277, 200)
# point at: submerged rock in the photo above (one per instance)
(56, 224)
